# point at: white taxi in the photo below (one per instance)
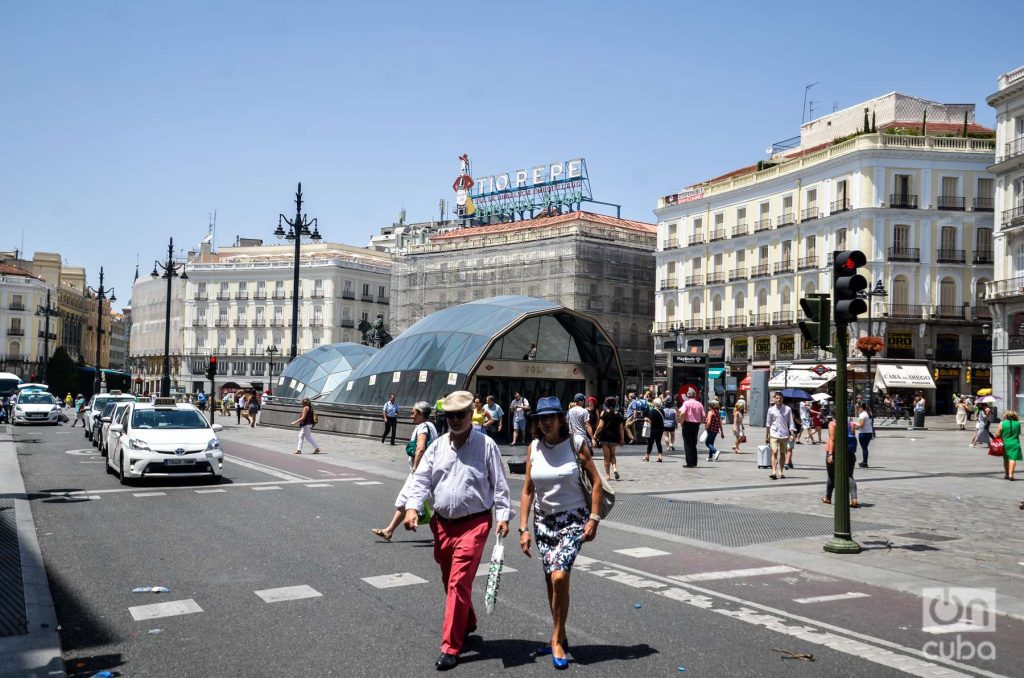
(35, 407)
(165, 439)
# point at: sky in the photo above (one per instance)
(126, 123)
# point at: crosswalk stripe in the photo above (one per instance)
(149, 494)
(345, 480)
(319, 485)
(735, 574)
(370, 482)
(389, 581)
(642, 552)
(168, 609)
(266, 487)
(828, 599)
(209, 491)
(288, 593)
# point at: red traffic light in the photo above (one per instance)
(213, 360)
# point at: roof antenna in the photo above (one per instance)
(803, 111)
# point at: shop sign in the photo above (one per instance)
(739, 348)
(689, 359)
(899, 339)
(983, 373)
(686, 195)
(524, 190)
(762, 345)
(786, 344)
(948, 373)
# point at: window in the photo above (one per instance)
(718, 262)
(765, 210)
(366, 289)
(787, 204)
(764, 254)
(901, 237)
(201, 287)
(201, 341)
(365, 316)
(900, 291)
(1018, 260)
(986, 188)
(318, 288)
(224, 288)
(983, 240)
(719, 221)
(279, 287)
(381, 292)
(841, 193)
(841, 239)
(348, 285)
(787, 250)
(1018, 192)
(260, 315)
(741, 257)
(243, 287)
(278, 314)
(697, 266)
(762, 301)
(949, 187)
(812, 198)
(810, 245)
(903, 186)
(947, 293)
(741, 215)
(738, 302)
(948, 238)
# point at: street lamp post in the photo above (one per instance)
(47, 312)
(101, 294)
(170, 271)
(878, 291)
(272, 351)
(297, 229)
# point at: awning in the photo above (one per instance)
(745, 383)
(800, 378)
(903, 376)
(715, 372)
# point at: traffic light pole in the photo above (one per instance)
(842, 539)
(212, 399)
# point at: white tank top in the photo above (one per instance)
(556, 478)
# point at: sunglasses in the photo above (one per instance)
(455, 415)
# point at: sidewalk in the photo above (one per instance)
(29, 641)
(940, 513)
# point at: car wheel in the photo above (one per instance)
(106, 467)
(124, 480)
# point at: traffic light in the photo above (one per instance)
(816, 328)
(847, 285)
(211, 370)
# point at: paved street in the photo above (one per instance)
(275, 570)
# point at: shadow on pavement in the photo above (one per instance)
(81, 630)
(516, 652)
(90, 666)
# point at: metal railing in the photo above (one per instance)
(241, 322)
(762, 355)
(316, 322)
(738, 273)
(260, 296)
(782, 317)
(983, 257)
(15, 331)
(345, 322)
(739, 229)
(715, 277)
(904, 254)
(223, 296)
(951, 202)
(15, 306)
(944, 256)
(762, 225)
(200, 296)
(668, 284)
(198, 322)
(759, 271)
(1013, 217)
(317, 294)
(694, 280)
(383, 300)
(716, 323)
(760, 319)
(348, 294)
(905, 310)
(807, 262)
(839, 206)
(220, 322)
(809, 213)
(737, 321)
(241, 296)
(717, 234)
(366, 297)
(783, 267)
(786, 354)
(277, 323)
(949, 312)
(1013, 148)
(904, 200)
(787, 219)
(982, 312)
(695, 239)
(279, 294)
(259, 322)
(670, 244)
(984, 204)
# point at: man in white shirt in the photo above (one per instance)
(779, 430)
(520, 407)
(578, 418)
(462, 470)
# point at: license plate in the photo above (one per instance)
(179, 462)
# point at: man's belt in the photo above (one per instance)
(455, 521)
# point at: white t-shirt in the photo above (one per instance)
(865, 423)
(556, 477)
(577, 418)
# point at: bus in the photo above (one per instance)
(8, 384)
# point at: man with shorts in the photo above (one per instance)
(578, 418)
(520, 408)
(779, 432)
(79, 411)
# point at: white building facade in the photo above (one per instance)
(736, 254)
(22, 330)
(1006, 293)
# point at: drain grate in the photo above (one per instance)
(724, 524)
(13, 620)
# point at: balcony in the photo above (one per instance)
(221, 322)
(277, 322)
(316, 322)
(279, 294)
(951, 202)
(16, 331)
(839, 206)
(1013, 217)
(809, 213)
(694, 280)
(670, 244)
(904, 254)
(738, 273)
(346, 322)
(1012, 149)
(984, 204)
(383, 300)
(259, 322)
(787, 219)
(260, 296)
(808, 262)
(200, 296)
(241, 296)
(667, 285)
(903, 200)
(906, 311)
(198, 322)
(716, 323)
(786, 354)
(982, 312)
(738, 321)
(762, 225)
(782, 318)
(782, 267)
(317, 294)
(739, 229)
(949, 312)
(348, 294)
(982, 257)
(717, 234)
(759, 271)
(366, 297)
(716, 277)
(760, 319)
(944, 256)
(696, 239)
(738, 356)
(223, 296)
(15, 306)
(241, 322)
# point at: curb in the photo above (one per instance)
(39, 652)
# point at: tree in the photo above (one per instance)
(62, 373)
(867, 127)
(965, 124)
(873, 128)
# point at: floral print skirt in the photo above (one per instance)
(559, 536)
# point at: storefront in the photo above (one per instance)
(905, 379)
(947, 383)
(689, 370)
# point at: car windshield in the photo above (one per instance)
(109, 409)
(35, 399)
(168, 419)
(101, 403)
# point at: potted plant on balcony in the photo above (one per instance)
(870, 346)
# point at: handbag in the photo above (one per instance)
(607, 493)
(743, 438)
(703, 437)
(995, 448)
(645, 432)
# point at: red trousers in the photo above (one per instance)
(458, 548)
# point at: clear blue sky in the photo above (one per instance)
(125, 123)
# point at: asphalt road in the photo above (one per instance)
(279, 521)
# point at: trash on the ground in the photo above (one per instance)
(790, 654)
(682, 668)
(151, 589)
(637, 606)
(103, 674)
(154, 632)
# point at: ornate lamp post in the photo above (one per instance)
(101, 294)
(271, 351)
(47, 312)
(170, 270)
(298, 228)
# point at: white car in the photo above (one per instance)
(165, 439)
(105, 434)
(35, 407)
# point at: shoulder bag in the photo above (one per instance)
(607, 493)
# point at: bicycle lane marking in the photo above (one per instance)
(878, 650)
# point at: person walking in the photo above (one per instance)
(239, 401)
(982, 436)
(691, 412)
(610, 433)
(779, 431)
(390, 413)
(630, 418)
(494, 424)
(739, 430)
(520, 407)
(253, 406)
(961, 413)
(423, 434)
(79, 411)
(816, 421)
(564, 514)
(865, 426)
(305, 422)
(656, 420)
(1009, 430)
(462, 471)
(67, 401)
(577, 418)
(807, 421)
(830, 467)
(713, 428)
(668, 413)
(481, 417)
(592, 415)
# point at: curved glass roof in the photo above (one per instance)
(321, 370)
(435, 355)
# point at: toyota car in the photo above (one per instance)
(165, 439)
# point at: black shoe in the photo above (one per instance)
(446, 661)
(863, 465)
